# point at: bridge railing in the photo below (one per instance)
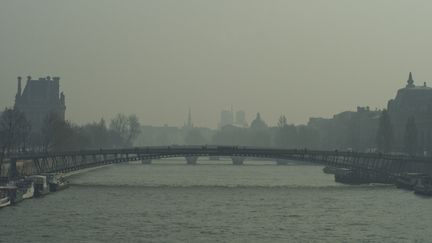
(217, 150)
(64, 160)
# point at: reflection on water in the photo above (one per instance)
(173, 202)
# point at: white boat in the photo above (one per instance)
(11, 192)
(25, 188)
(30, 191)
(330, 170)
(56, 182)
(409, 180)
(4, 201)
(4, 198)
(41, 186)
(424, 186)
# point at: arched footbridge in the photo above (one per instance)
(378, 163)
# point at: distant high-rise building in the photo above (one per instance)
(227, 118)
(240, 118)
(189, 123)
(40, 98)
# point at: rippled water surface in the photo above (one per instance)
(173, 202)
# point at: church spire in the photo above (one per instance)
(410, 81)
(189, 123)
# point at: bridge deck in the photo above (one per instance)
(75, 160)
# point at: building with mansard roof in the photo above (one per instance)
(39, 98)
(412, 101)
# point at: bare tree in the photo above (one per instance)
(23, 133)
(14, 132)
(134, 128)
(127, 127)
(119, 124)
(285, 135)
(282, 122)
(55, 133)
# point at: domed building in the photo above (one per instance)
(412, 101)
(258, 123)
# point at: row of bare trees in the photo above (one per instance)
(14, 132)
(55, 134)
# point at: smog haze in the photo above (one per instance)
(158, 58)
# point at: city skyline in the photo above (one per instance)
(259, 57)
(217, 123)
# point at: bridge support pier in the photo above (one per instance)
(191, 160)
(13, 172)
(146, 161)
(237, 160)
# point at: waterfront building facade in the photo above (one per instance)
(348, 130)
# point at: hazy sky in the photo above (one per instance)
(157, 58)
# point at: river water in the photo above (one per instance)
(169, 201)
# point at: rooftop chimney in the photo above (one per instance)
(19, 87)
